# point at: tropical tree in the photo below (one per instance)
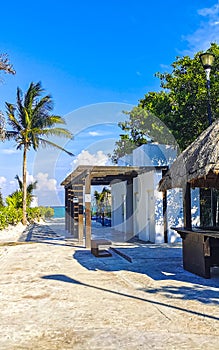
(180, 105)
(141, 127)
(32, 124)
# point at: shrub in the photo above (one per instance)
(12, 216)
(46, 212)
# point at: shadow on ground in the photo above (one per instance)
(66, 279)
(159, 263)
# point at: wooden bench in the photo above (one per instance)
(97, 247)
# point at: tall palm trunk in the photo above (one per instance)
(24, 220)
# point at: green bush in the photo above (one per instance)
(12, 216)
(46, 212)
(9, 216)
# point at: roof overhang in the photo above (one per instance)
(105, 175)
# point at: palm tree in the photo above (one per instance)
(32, 124)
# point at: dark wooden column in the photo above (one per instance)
(71, 212)
(68, 221)
(88, 210)
(66, 208)
(187, 206)
(165, 217)
(80, 215)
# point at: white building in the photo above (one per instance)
(138, 208)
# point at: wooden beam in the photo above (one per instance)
(88, 210)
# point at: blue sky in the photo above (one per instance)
(96, 58)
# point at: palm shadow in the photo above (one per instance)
(66, 279)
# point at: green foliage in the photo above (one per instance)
(14, 200)
(46, 212)
(1, 200)
(182, 103)
(9, 216)
(178, 111)
(33, 214)
(141, 127)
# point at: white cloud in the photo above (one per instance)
(12, 182)
(9, 151)
(86, 158)
(208, 30)
(30, 178)
(94, 133)
(44, 183)
(211, 11)
(3, 181)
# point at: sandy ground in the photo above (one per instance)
(56, 295)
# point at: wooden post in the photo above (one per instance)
(71, 214)
(66, 208)
(187, 206)
(80, 224)
(80, 215)
(88, 210)
(165, 217)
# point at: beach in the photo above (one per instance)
(56, 295)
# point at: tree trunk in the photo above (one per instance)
(24, 219)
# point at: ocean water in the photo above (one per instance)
(59, 212)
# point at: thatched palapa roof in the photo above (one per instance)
(198, 164)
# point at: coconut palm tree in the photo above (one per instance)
(32, 123)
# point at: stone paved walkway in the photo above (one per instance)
(56, 295)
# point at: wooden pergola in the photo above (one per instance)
(78, 192)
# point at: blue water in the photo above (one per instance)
(59, 212)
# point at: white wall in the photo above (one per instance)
(122, 207)
(118, 193)
(144, 213)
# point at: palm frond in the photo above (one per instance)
(34, 91)
(12, 120)
(11, 135)
(45, 143)
(32, 186)
(20, 183)
(57, 132)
